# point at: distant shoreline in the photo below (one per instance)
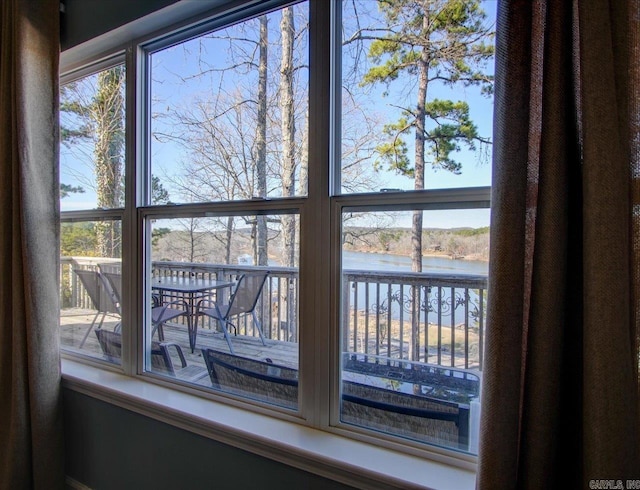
(467, 258)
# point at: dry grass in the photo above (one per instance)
(438, 340)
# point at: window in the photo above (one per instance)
(228, 123)
(232, 316)
(415, 135)
(92, 180)
(92, 120)
(229, 112)
(411, 341)
(290, 233)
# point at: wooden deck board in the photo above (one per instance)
(75, 322)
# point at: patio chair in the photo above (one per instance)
(402, 414)
(92, 284)
(161, 360)
(243, 301)
(160, 313)
(407, 398)
(417, 417)
(260, 380)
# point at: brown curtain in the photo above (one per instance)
(31, 447)
(560, 386)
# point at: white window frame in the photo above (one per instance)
(216, 416)
(77, 72)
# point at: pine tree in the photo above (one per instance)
(426, 42)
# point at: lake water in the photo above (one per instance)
(388, 262)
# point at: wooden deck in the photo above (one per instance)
(421, 427)
(74, 323)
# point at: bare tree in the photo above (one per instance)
(107, 113)
(261, 255)
(246, 137)
(97, 116)
(189, 244)
(225, 132)
(288, 167)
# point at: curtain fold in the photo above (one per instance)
(560, 386)
(31, 454)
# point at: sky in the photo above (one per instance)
(476, 167)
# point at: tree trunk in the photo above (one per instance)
(288, 132)
(227, 248)
(304, 156)
(261, 250)
(416, 229)
(416, 225)
(107, 115)
(192, 240)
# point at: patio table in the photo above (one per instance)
(455, 390)
(192, 289)
(417, 378)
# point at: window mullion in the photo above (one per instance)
(130, 297)
(315, 229)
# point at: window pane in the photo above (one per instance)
(412, 333)
(92, 127)
(229, 112)
(416, 104)
(224, 293)
(90, 307)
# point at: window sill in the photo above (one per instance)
(325, 454)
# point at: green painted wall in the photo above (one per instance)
(108, 447)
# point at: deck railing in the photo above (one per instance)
(277, 306)
(428, 317)
(72, 292)
(434, 318)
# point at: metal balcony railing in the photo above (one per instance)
(427, 317)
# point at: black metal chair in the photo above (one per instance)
(260, 380)
(243, 301)
(161, 359)
(384, 409)
(93, 285)
(160, 313)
